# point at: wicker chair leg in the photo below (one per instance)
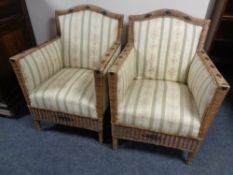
(190, 158)
(100, 135)
(191, 155)
(114, 143)
(37, 124)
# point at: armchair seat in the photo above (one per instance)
(161, 106)
(70, 90)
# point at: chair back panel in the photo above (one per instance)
(165, 47)
(86, 36)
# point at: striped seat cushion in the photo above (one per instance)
(165, 47)
(162, 106)
(70, 90)
(86, 36)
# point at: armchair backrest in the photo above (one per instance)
(87, 32)
(165, 43)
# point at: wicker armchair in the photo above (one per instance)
(164, 89)
(64, 80)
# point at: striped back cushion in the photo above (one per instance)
(41, 64)
(86, 36)
(165, 47)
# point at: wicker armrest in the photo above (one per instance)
(32, 67)
(100, 78)
(109, 58)
(208, 87)
(219, 79)
(121, 59)
(121, 74)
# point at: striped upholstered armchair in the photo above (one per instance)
(64, 79)
(164, 89)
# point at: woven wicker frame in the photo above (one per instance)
(188, 144)
(69, 119)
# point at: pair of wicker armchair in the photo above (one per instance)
(163, 89)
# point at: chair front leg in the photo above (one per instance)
(192, 154)
(100, 136)
(114, 143)
(37, 124)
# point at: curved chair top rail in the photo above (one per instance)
(168, 13)
(90, 7)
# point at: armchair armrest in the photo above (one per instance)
(109, 58)
(208, 87)
(32, 67)
(101, 85)
(121, 74)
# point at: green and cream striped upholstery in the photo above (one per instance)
(165, 47)
(70, 90)
(113, 59)
(162, 106)
(41, 64)
(86, 36)
(202, 84)
(125, 76)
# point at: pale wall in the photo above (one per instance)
(42, 11)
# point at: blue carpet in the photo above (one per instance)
(63, 150)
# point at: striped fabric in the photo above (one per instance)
(70, 90)
(202, 84)
(41, 64)
(165, 47)
(86, 36)
(113, 59)
(125, 75)
(162, 106)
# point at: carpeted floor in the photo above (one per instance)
(62, 150)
